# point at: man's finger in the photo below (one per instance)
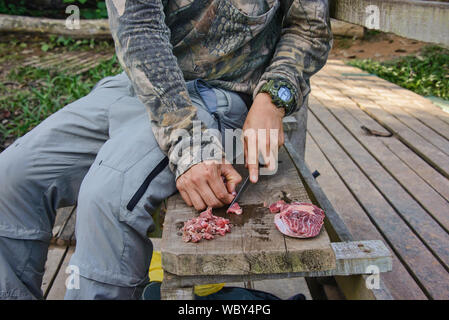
(265, 145)
(219, 190)
(197, 201)
(245, 151)
(186, 198)
(252, 156)
(208, 196)
(233, 178)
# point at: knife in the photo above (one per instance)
(242, 189)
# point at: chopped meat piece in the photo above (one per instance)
(235, 208)
(205, 226)
(277, 206)
(298, 219)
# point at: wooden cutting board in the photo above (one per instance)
(254, 244)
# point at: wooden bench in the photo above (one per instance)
(256, 250)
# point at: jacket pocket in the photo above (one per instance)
(146, 183)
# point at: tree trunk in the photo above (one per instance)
(43, 26)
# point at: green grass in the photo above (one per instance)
(42, 93)
(426, 74)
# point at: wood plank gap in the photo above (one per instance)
(58, 288)
(55, 274)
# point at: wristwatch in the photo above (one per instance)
(282, 94)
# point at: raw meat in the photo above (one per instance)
(297, 219)
(277, 206)
(235, 208)
(205, 227)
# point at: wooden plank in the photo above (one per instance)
(55, 257)
(420, 20)
(324, 84)
(356, 257)
(417, 126)
(421, 112)
(417, 102)
(98, 28)
(234, 254)
(399, 282)
(156, 243)
(431, 275)
(351, 258)
(57, 290)
(62, 216)
(434, 236)
(414, 141)
(438, 182)
(375, 87)
(351, 117)
(397, 106)
(66, 235)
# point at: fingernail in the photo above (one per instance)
(234, 193)
(254, 178)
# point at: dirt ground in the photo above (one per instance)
(376, 46)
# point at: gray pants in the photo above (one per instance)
(97, 152)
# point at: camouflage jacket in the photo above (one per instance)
(233, 44)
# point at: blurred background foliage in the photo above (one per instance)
(426, 73)
(89, 9)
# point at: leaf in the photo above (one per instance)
(45, 47)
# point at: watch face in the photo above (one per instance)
(284, 94)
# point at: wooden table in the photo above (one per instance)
(255, 249)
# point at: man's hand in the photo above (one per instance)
(262, 115)
(202, 185)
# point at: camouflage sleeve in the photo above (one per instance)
(142, 43)
(303, 47)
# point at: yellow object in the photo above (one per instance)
(156, 273)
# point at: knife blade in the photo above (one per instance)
(242, 189)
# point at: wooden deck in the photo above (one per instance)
(391, 188)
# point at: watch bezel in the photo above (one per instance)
(272, 87)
